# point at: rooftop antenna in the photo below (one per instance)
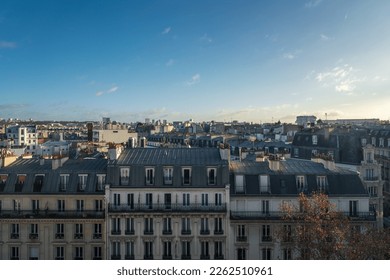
(326, 117)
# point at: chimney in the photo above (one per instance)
(224, 152)
(41, 161)
(114, 152)
(274, 162)
(58, 161)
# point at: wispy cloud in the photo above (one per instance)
(206, 38)
(7, 45)
(288, 56)
(170, 62)
(166, 30)
(195, 79)
(312, 3)
(109, 91)
(324, 37)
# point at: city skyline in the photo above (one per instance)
(255, 60)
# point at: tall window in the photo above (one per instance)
(266, 253)
(239, 183)
(241, 233)
(116, 226)
(148, 250)
(186, 175)
(265, 207)
(115, 250)
(14, 231)
(149, 200)
(59, 252)
(130, 200)
(129, 254)
(321, 183)
(98, 205)
(82, 182)
(64, 182)
(97, 252)
(353, 207)
(205, 199)
(14, 253)
(80, 205)
(266, 233)
(241, 254)
(97, 232)
(287, 255)
(168, 175)
(218, 250)
(218, 199)
(149, 176)
(300, 181)
(204, 250)
(130, 230)
(218, 226)
(314, 139)
(60, 231)
(124, 175)
(186, 199)
(167, 201)
(167, 225)
(117, 199)
(204, 226)
(33, 231)
(35, 205)
(79, 233)
(33, 253)
(264, 185)
(211, 176)
(78, 253)
(61, 205)
(148, 226)
(186, 249)
(167, 250)
(185, 226)
(101, 180)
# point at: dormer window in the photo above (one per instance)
(64, 182)
(149, 176)
(314, 139)
(364, 142)
(381, 142)
(168, 175)
(3, 181)
(300, 182)
(82, 182)
(101, 180)
(38, 183)
(264, 184)
(239, 183)
(373, 141)
(124, 175)
(211, 176)
(186, 176)
(20, 182)
(322, 183)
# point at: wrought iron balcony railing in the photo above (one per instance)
(51, 214)
(195, 207)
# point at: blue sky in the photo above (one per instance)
(217, 60)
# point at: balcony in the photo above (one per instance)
(242, 238)
(148, 257)
(204, 232)
(33, 235)
(218, 232)
(218, 257)
(185, 231)
(97, 236)
(167, 232)
(116, 232)
(51, 214)
(361, 216)
(78, 258)
(195, 207)
(167, 257)
(130, 232)
(148, 232)
(371, 178)
(78, 236)
(204, 257)
(185, 257)
(266, 238)
(115, 257)
(129, 257)
(256, 215)
(97, 258)
(14, 235)
(59, 236)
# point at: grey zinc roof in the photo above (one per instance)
(250, 168)
(299, 166)
(170, 156)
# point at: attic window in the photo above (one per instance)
(3, 180)
(38, 182)
(300, 181)
(82, 182)
(264, 184)
(239, 183)
(322, 183)
(314, 139)
(20, 182)
(364, 142)
(64, 182)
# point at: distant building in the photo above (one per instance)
(116, 136)
(23, 136)
(304, 120)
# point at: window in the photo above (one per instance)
(149, 178)
(241, 254)
(101, 181)
(364, 142)
(204, 226)
(211, 176)
(16, 204)
(116, 226)
(186, 175)
(3, 180)
(186, 250)
(167, 250)
(287, 233)
(33, 231)
(64, 182)
(381, 142)
(20, 183)
(314, 139)
(264, 185)
(59, 252)
(115, 250)
(373, 191)
(218, 199)
(60, 231)
(265, 207)
(33, 253)
(321, 183)
(117, 199)
(124, 176)
(353, 208)
(14, 231)
(97, 231)
(186, 199)
(287, 255)
(14, 253)
(129, 247)
(185, 226)
(78, 253)
(300, 181)
(167, 226)
(148, 226)
(204, 250)
(79, 234)
(218, 226)
(98, 205)
(373, 141)
(296, 152)
(205, 199)
(130, 200)
(35, 205)
(168, 175)
(82, 184)
(167, 201)
(61, 205)
(369, 174)
(266, 253)
(239, 183)
(241, 233)
(130, 230)
(218, 250)
(97, 252)
(148, 250)
(266, 230)
(149, 200)
(80, 205)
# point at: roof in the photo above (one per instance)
(170, 156)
